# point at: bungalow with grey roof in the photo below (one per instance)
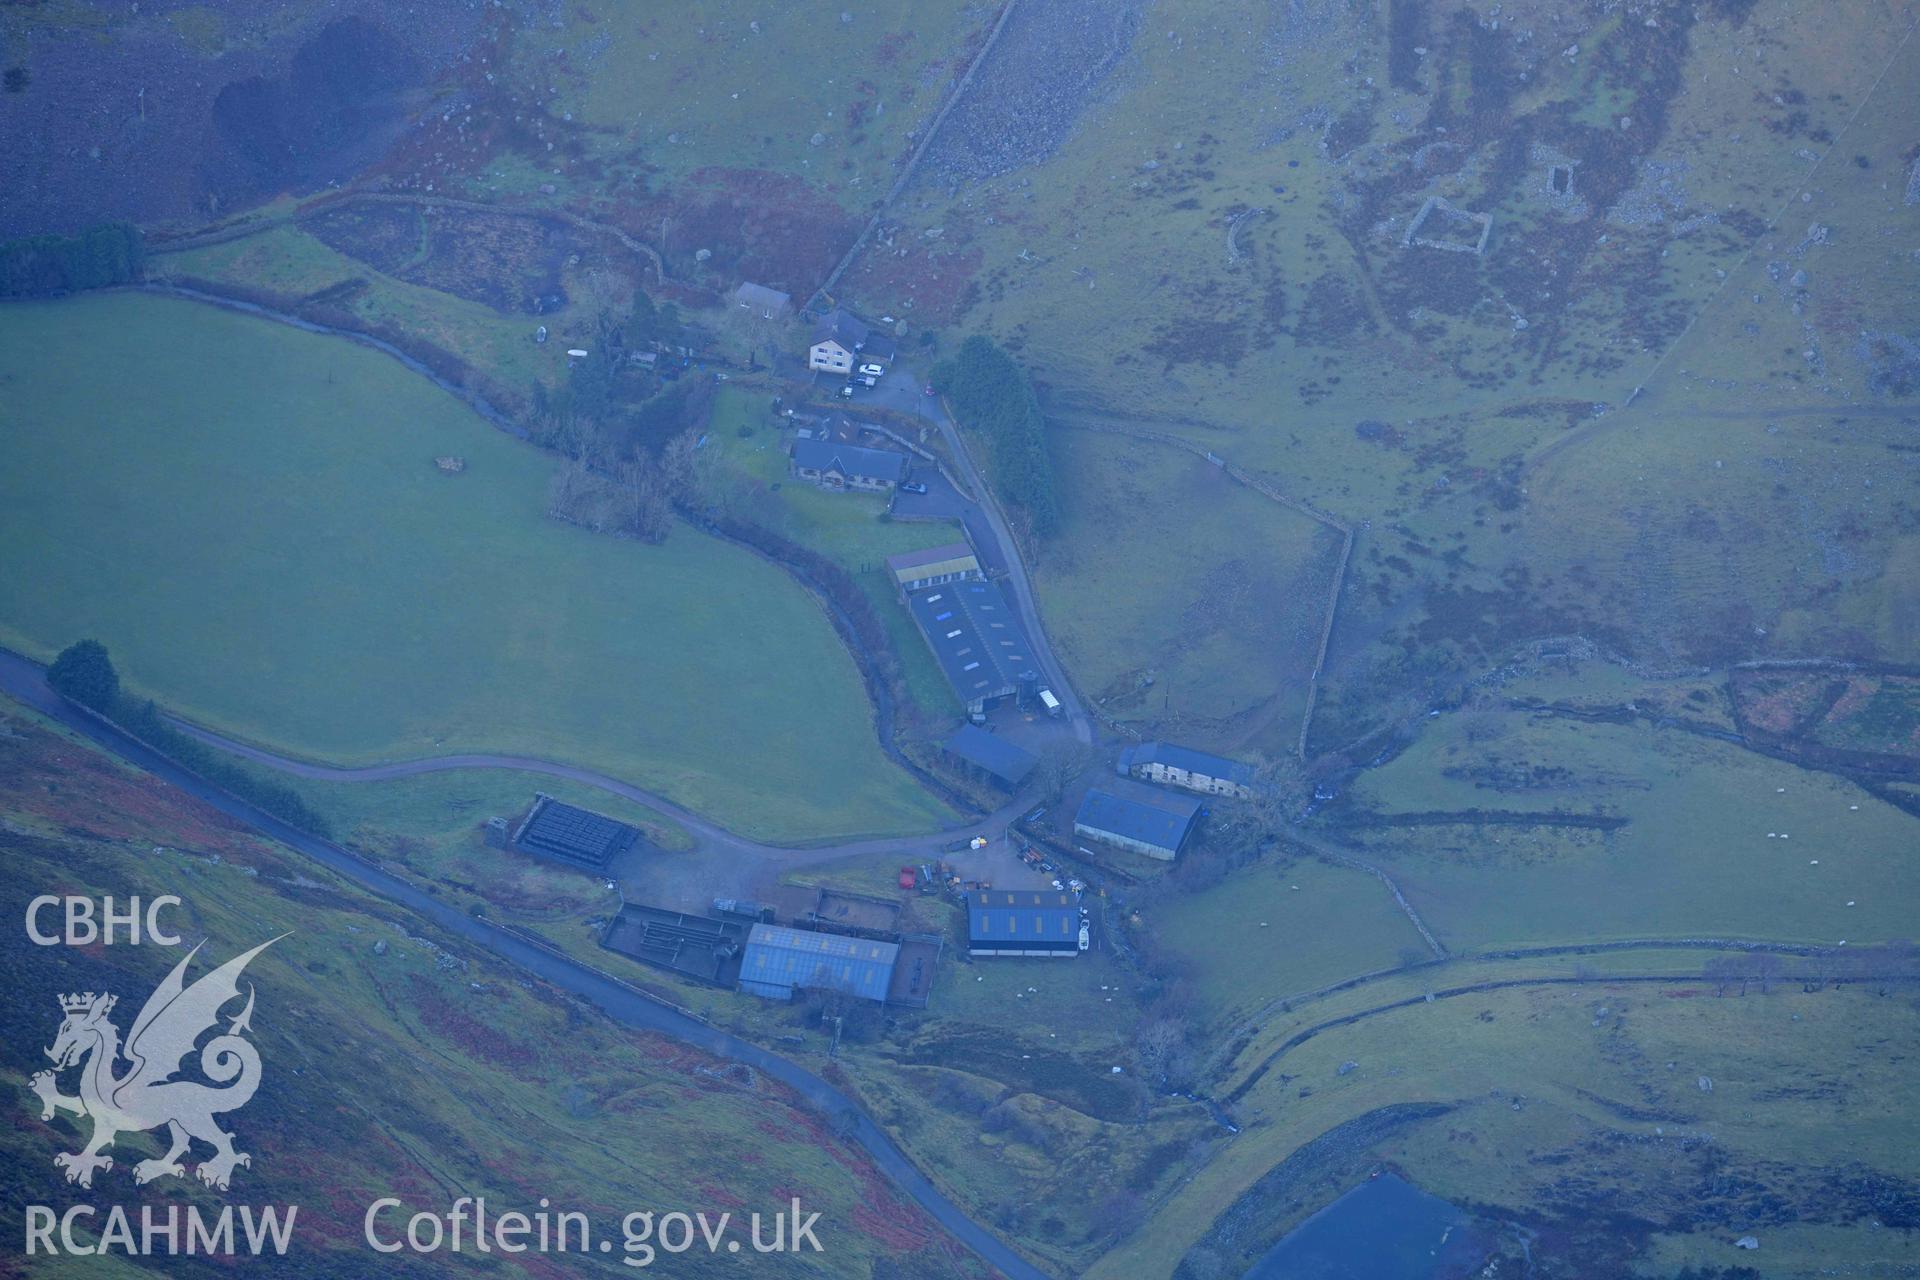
(846, 466)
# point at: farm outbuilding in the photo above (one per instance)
(917, 570)
(1157, 826)
(768, 304)
(1023, 922)
(976, 638)
(780, 961)
(695, 946)
(991, 755)
(576, 837)
(1178, 766)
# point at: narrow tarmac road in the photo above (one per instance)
(25, 681)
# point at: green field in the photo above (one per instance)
(251, 519)
(748, 476)
(1279, 929)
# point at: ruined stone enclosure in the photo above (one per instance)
(1440, 225)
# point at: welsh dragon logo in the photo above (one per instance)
(145, 1094)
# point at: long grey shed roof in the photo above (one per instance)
(991, 752)
(779, 961)
(1163, 823)
(850, 459)
(975, 635)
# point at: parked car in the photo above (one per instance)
(913, 486)
(873, 370)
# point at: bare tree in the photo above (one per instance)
(609, 299)
(1164, 1048)
(648, 511)
(1059, 765)
(1280, 790)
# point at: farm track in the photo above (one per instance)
(708, 835)
(1587, 431)
(1582, 434)
(1301, 1037)
(26, 682)
(247, 230)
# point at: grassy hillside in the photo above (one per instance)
(1188, 605)
(395, 1062)
(1542, 1101)
(1214, 242)
(1509, 826)
(251, 519)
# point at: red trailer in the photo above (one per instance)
(906, 878)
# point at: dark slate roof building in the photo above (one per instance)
(573, 836)
(842, 327)
(852, 464)
(1157, 826)
(1184, 767)
(1022, 922)
(780, 961)
(769, 304)
(976, 638)
(991, 754)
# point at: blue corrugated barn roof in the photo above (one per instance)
(991, 752)
(1047, 919)
(778, 961)
(1163, 823)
